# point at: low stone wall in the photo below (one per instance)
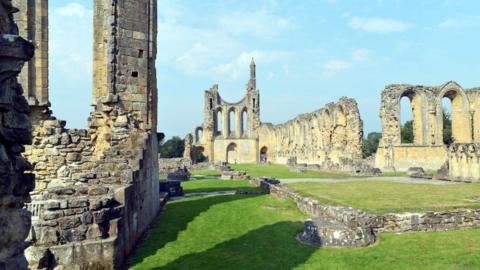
(170, 165)
(368, 225)
(429, 221)
(347, 226)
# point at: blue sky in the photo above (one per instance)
(308, 53)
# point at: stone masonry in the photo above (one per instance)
(97, 188)
(330, 137)
(15, 127)
(230, 130)
(428, 150)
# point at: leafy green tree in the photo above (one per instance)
(406, 132)
(172, 148)
(447, 128)
(370, 144)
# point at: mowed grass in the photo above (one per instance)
(210, 185)
(282, 171)
(258, 232)
(385, 196)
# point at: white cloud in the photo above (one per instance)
(449, 23)
(361, 55)
(357, 57)
(260, 24)
(379, 25)
(238, 66)
(73, 10)
(334, 66)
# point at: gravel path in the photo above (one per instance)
(397, 179)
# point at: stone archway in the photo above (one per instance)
(264, 155)
(232, 153)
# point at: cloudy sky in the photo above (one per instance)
(308, 53)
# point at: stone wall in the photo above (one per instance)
(366, 225)
(170, 165)
(98, 187)
(229, 132)
(428, 149)
(463, 162)
(15, 127)
(330, 137)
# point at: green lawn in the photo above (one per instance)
(385, 196)
(282, 171)
(209, 185)
(258, 232)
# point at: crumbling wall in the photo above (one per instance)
(219, 141)
(463, 162)
(330, 137)
(98, 187)
(427, 150)
(15, 127)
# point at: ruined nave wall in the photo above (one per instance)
(330, 137)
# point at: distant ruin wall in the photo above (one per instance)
(15, 128)
(330, 137)
(464, 162)
(428, 149)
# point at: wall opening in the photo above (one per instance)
(199, 134)
(232, 156)
(199, 155)
(460, 117)
(447, 121)
(211, 103)
(231, 122)
(244, 122)
(264, 155)
(218, 122)
(406, 120)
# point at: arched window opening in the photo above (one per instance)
(406, 120)
(211, 103)
(254, 103)
(447, 121)
(232, 153)
(231, 122)
(218, 122)
(199, 155)
(199, 134)
(244, 122)
(264, 155)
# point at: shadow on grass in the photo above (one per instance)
(269, 247)
(176, 219)
(205, 176)
(213, 189)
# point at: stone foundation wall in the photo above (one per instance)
(363, 222)
(402, 157)
(170, 165)
(330, 137)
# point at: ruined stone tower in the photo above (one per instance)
(230, 130)
(97, 188)
(32, 20)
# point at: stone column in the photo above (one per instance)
(15, 128)
(32, 20)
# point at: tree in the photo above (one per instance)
(447, 128)
(406, 132)
(172, 148)
(370, 144)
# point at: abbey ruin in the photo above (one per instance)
(330, 137)
(428, 149)
(82, 198)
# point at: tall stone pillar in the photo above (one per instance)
(32, 20)
(15, 130)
